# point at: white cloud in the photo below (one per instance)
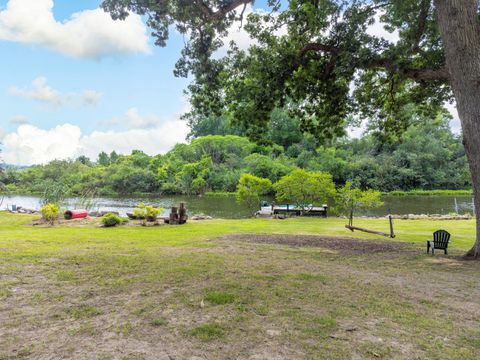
(378, 29)
(152, 141)
(237, 33)
(39, 90)
(87, 34)
(32, 145)
(134, 120)
(19, 120)
(91, 97)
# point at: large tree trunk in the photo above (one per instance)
(460, 31)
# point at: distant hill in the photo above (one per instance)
(12, 166)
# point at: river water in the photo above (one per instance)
(226, 206)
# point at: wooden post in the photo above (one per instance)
(174, 216)
(392, 234)
(182, 214)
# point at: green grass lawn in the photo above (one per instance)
(175, 292)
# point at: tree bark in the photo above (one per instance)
(460, 31)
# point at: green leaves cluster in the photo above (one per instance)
(305, 189)
(426, 156)
(308, 55)
(50, 212)
(251, 188)
(348, 200)
(147, 212)
(111, 220)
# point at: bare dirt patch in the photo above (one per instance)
(85, 222)
(344, 245)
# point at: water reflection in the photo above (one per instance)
(227, 207)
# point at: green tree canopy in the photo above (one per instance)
(305, 189)
(348, 200)
(251, 188)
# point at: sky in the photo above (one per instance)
(74, 82)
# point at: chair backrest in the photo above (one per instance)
(441, 238)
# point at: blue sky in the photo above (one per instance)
(82, 84)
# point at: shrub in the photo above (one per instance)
(251, 188)
(50, 212)
(139, 212)
(54, 193)
(152, 212)
(111, 220)
(147, 212)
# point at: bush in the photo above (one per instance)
(111, 220)
(250, 188)
(147, 212)
(152, 212)
(50, 212)
(139, 212)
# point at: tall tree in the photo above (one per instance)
(326, 50)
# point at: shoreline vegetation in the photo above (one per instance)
(429, 156)
(419, 192)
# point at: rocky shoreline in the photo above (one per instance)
(432, 217)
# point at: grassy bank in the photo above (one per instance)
(177, 292)
(421, 192)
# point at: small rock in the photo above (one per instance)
(201, 217)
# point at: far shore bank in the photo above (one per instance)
(417, 192)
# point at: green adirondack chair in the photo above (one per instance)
(440, 241)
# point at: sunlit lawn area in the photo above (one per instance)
(175, 292)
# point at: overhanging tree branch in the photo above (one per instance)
(230, 7)
(440, 74)
(422, 22)
(219, 14)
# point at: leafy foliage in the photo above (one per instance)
(307, 54)
(147, 212)
(111, 220)
(54, 192)
(426, 156)
(305, 189)
(251, 188)
(50, 212)
(348, 199)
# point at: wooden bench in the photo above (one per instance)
(440, 241)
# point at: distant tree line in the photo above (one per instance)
(426, 156)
